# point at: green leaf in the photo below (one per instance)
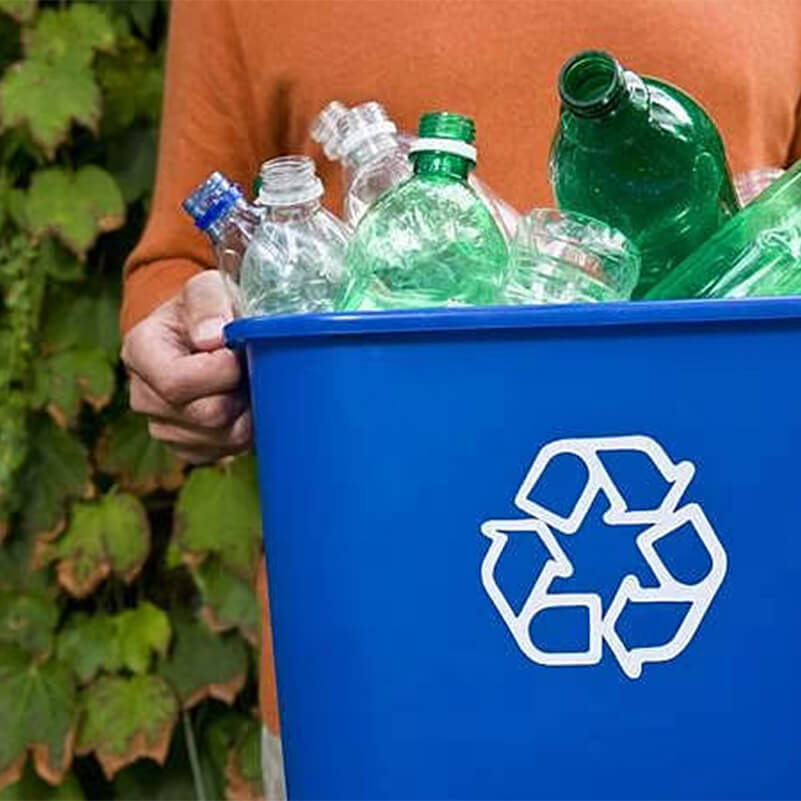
(39, 712)
(205, 665)
(28, 620)
(218, 737)
(218, 512)
(20, 10)
(70, 35)
(63, 380)
(132, 161)
(82, 317)
(111, 535)
(228, 600)
(126, 719)
(76, 207)
(57, 469)
(17, 571)
(48, 98)
(243, 767)
(141, 464)
(90, 644)
(31, 788)
(57, 262)
(131, 80)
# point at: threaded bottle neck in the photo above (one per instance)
(445, 145)
(364, 132)
(592, 84)
(324, 129)
(289, 181)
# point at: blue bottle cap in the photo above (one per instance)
(211, 200)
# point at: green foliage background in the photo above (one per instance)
(128, 618)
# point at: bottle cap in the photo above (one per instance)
(211, 200)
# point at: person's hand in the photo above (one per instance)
(184, 378)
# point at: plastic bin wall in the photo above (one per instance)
(534, 553)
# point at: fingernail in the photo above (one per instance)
(208, 330)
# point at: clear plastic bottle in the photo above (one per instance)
(431, 241)
(296, 261)
(220, 210)
(566, 257)
(643, 157)
(756, 254)
(375, 159)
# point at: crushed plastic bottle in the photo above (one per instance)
(375, 159)
(296, 261)
(643, 157)
(564, 257)
(220, 210)
(431, 241)
(756, 254)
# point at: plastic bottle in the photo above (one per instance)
(642, 156)
(756, 254)
(566, 257)
(296, 261)
(375, 158)
(220, 210)
(431, 241)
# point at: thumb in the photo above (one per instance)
(206, 308)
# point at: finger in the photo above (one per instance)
(206, 308)
(211, 412)
(231, 439)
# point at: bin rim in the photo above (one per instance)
(488, 318)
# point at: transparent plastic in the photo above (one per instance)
(643, 157)
(564, 257)
(375, 159)
(431, 241)
(296, 260)
(756, 254)
(219, 209)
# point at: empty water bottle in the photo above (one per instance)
(375, 158)
(296, 260)
(219, 209)
(430, 241)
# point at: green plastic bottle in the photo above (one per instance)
(756, 254)
(430, 241)
(642, 156)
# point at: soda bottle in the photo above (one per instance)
(375, 158)
(220, 210)
(756, 254)
(431, 241)
(643, 157)
(296, 260)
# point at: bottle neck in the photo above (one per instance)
(443, 165)
(291, 213)
(240, 216)
(369, 148)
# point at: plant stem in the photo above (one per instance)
(191, 747)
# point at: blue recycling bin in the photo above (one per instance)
(534, 553)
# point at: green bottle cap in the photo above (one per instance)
(591, 83)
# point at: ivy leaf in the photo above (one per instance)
(228, 600)
(13, 447)
(218, 737)
(132, 161)
(17, 571)
(56, 262)
(75, 206)
(20, 10)
(243, 766)
(56, 470)
(205, 665)
(38, 709)
(126, 719)
(48, 98)
(218, 512)
(139, 463)
(31, 788)
(111, 535)
(82, 317)
(98, 642)
(28, 620)
(70, 35)
(64, 380)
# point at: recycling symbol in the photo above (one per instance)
(667, 517)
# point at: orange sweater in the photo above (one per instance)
(245, 78)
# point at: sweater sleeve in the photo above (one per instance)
(208, 124)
